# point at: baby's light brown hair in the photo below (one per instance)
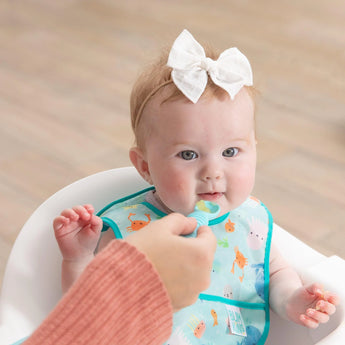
(157, 77)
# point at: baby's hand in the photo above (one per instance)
(310, 305)
(77, 231)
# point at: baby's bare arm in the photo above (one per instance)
(77, 232)
(284, 280)
(305, 305)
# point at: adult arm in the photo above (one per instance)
(96, 309)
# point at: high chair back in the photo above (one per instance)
(31, 284)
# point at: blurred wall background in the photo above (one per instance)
(66, 70)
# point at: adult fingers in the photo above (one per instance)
(177, 224)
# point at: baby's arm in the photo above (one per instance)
(305, 305)
(77, 231)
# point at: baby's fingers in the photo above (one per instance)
(59, 222)
(325, 307)
(318, 316)
(76, 213)
(331, 298)
(82, 212)
(316, 290)
(96, 223)
(70, 214)
(89, 208)
(308, 321)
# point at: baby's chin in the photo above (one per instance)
(186, 211)
(226, 206)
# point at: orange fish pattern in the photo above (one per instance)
(241, 262)
(215, 317)
(229, 226)
(200, 329)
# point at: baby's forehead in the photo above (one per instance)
(168, 114)
(158, 103)
(168, 96)
(222, 119)
(181, 115)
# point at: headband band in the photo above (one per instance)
(153, 92)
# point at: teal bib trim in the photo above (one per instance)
(236, 303)
(219, 219)
(163, 214)
(123, 199)
(20, 341)
(109, 223)
(267, 274)
(154, 209)
(267, 253)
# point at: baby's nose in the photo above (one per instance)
(212, 174)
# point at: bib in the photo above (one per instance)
(235, 307)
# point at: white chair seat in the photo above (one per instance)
(31, 284)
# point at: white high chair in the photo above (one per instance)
(31, 284)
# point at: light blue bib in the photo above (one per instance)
(235, 308)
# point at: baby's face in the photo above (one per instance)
(203, 151)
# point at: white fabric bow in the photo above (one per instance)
(190, 67)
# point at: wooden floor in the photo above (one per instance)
(66, 70)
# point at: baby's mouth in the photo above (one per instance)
(213, 196)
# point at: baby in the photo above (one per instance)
(193, 119)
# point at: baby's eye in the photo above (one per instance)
(188, 155)
(230, 152)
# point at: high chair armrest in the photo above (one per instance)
(334, 337)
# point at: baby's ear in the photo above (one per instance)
(138, 159)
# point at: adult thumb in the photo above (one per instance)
(206, 235)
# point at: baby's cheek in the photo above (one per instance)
(176, 181)
(178, 189)
(181, 186)
(245, 179)
(173, 186)
(167, 186)
(179, 197)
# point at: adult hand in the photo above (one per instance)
(184, 264)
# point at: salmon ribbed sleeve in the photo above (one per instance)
(119, 300)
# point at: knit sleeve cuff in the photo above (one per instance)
(119, 299)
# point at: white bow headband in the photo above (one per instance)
(190, 67)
